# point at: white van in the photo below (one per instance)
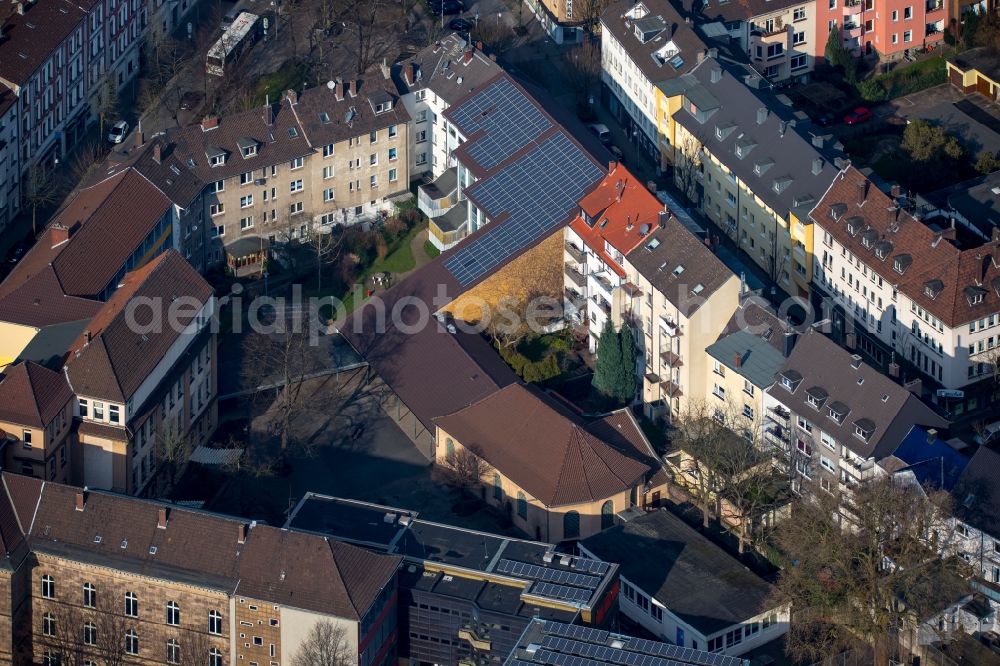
(602, 132)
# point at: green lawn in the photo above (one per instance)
(290, 76)
(431, 251)
(906, 80)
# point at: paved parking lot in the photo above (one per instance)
(972, 118)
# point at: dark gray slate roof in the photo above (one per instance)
(759, 360)
(778, 164)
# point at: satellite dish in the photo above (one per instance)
(331, 85)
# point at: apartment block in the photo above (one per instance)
(917, 295)
(99, 576)
(614, 219)
(743, 162)
(831, 421)
(139, 387)
(561, 20)
(335, 154)
(889, 28)
(530, 478)
(36, 418)
(10, 157)
(683, 588)
(976, 536)
(645, 45)
(780, 39)
(684, 298)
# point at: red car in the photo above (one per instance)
(862, 114)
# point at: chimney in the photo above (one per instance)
(209, 122)
(479, 46)
(716, 74)
(931, 435)
(59, 234)
(20, 8)
(855, 361)
(817, 166)
(268, 111)
(738, 360)
(410, 73)
(713, 52)
(915, 386)
(140, 138)
(157, 153)
(789, 343)
(761, 115)
(467, 57)
(628, 223)
(352, 87)
(897, 191)
(79, 501)
(701, 56)
(292, 97)
(612, 165)
(782, 126)
(662, 219)
(241, 537)
(339, 88)
(817, 141)
(161, 518)
(493, 57)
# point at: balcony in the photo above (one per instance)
(934, 6)
(578, 255)
(671, 388)
(852, 8)
(578, 301)
(603, 284)
(444, 231)
(602, 305)
(576, 277)
(671, 359)
(440, 195)
(631, 290)
(670, 327)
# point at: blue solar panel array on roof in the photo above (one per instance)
(509, 118)
(538, 192)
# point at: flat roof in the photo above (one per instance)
(548, 642)
(534, 567)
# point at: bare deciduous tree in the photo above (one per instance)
(495, 35)
(871, 579)
(39, 190)
(465, 468)
(326, 645)
(687, 166)
(173, 448)
(583, 64)
(371, 33)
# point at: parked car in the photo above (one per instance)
(823, 119)
(618, 154)
(191, 99)
(862, 114)
(447, 7)
(118, 132)
(18, 251)
(602, 132)
(461, 25)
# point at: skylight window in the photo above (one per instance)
(292, 132)
(679, 269)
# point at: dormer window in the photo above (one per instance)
(249, 151)
(760, 168)
(816, 396)
(854, 225)
(790, 380)
(217, 160)
(882, 249)
(838, 210)
(838, 411)
(901, 262)
(932, 288)
(868, 238)
(975, 295)
(864, 428)
(216, 156)
(382, 107)
(782, 184)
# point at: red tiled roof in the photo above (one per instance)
(32, 395)
(118, 359)
(618, 207)
(311, 572)
(931, 256)
(541, 449)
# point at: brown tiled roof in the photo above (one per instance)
(24, 493)
(411, 362)
(170, 175)
(118, 359)
(555, 459)
(311, 572)
(29, 39)
(7, 99)
(32, 395)
(427, 69)
(674, 29)
(40, 302)
(744, 10)
(274, 143)
(931, 257)
(669, 247)
(363, 119)
(823, 364)
(758, 318)
(12, 541)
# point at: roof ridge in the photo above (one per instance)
(562, 469)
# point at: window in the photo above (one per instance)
(26, 438)
(48, 625)
(214, 657)
(249, 151)
(497, 486)
(907, 13)
(246, 223)
(297, 163)
(798, 62)
(421, 159)
(827, 464)
(173, 613)
(392, 154)
(373, 159)
(373, 181)
(216, 209)
(571, 525)
(607, 515)
(246, 201)
(246, 178)
(48, 587)
(328, 194)
(218, 230)
(392, 131)
(295, 186)
(748, 411)
(799, 14)
(522, 505)
(83, 407)
(895, 15)
(173, 651)
(828, 441)
(295, 208)
(327, 172)
(715, 644)
(373, 136)
(131, 605)
(748, 388)
(393, 176)
(99, 410)
(214, 622)
(799, 38)
(908, 36)
(895, 38)
(328, 150)
(717, 368)
(421, 136)
(131, 642)
(90, 634)
(89, 595)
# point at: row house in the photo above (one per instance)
(830, 423)
(741, 160)
(889, 28)
(556, 477)
(779, 38)
(36, 418)
(684, 297)
(96, 576)
(335, 154)
(645, 46)
(144, 374)
(614, 218)
(63, 63)
(919, 297)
